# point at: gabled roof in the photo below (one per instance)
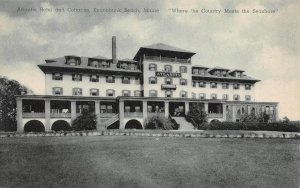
(236, 70)
(99, 57)
(128, 60)
(161, 46)
(218, 68)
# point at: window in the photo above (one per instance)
(182, 69)
(152, 80)
(94, 78)
(108, 108)
(168, 93)
(183, 94)
(202, 96)
(126, 80)
(236, 86)
(183, 81)
(74, 61)
(126, 93)
(110, 92)
(110, 79)
(202, 84)
(236, 97)
(213, 85)
(138, 93)
(57, 76)
(214, 96)
(193, 95)
(152, 67)
(76, 77)
(77, 91)
(94, 92)
(124, 66)
(168, 80)
(168, 68)
(247, 86)
(248, 97)
(57, 91)
(194, 84)
(225, 97)
(153, 93)
(217, 73)
(225, 85)
(137, 80)
(238, 74)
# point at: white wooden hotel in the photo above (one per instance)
(159, 80)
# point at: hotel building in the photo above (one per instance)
(159, 80)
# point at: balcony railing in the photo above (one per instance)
(168, 59)
(133, 114)
(168, 86)
(33, 115)
(60, 115)
(215, 115)
(107, 115)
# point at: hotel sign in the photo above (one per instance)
(168, 74)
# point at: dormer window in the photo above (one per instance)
(217, 73)
(195, 71)
(238, 74)
(126, 80)
(73, 61)
(110, 79)
(57, 91)
(57, 76)
(76, 77)
(168, 68)
(94, 78)
(202, 71)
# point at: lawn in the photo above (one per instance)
(120, 161)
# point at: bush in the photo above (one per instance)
(196, 116)
(253, 126)
(86, 121)
(157, 122)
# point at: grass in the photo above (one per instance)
(120, 161)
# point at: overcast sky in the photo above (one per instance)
(265, 45)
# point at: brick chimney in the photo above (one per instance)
(114, 50)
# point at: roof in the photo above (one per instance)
(60, 64)
(236, 70)
(128, 60)
(200, 66)
(228, 77)
(218, 68)
(99, 57)
(161, 46)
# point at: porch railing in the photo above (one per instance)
(133, 114)
(33, 114)
(215, 115)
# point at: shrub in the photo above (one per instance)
(86, 121)
(158, 122)
(254, 126)
(196, 116)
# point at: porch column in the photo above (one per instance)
(166, 109)
(276, 112)
(121, 114)
(47, 116)
(233, 113)
(224, 111)
(186, 107)
(19, 116)
(144, 110)
(73, 110)
(97, 113)
(206, 107)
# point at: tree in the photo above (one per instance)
(285, 119)
(196, 115)
(8, 91)
(86, 121)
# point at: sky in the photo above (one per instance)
(265, 45)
